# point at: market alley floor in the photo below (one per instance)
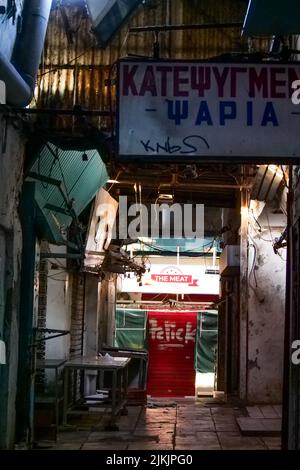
(202, 425)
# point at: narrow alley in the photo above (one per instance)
(205, 425)
(149, 226)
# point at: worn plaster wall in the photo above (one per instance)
(266, 309)
(11, 174)
(58, 305)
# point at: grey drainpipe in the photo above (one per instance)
(20, 74)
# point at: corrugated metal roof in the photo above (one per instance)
(80, 179)
(77, 73)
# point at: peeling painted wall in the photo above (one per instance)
(266, 309)
(11, 174)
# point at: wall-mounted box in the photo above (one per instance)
(230, 260)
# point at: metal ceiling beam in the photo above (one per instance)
(193, 186)
(183, 27)
(60, 255)
(44, 179)
(58, 209)
(64, 112)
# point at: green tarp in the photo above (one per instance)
(131, 329)
(206, 341)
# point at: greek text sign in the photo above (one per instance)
(186, 110)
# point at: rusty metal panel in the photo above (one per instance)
(76, 70)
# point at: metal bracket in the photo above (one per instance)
(47, 331)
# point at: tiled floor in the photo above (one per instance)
(185, 426)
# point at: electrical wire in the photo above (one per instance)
(210, 244)
(116, 179)
(53, 276)
(267, 216)
(259, 233)
(88, 48)
(252, 271)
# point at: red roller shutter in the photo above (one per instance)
(171, 370)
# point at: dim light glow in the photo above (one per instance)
(168, 197)
(276, 169)
(253, 204)
(244, 211)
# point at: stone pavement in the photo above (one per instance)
(186, 426)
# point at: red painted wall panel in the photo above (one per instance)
(171, 370)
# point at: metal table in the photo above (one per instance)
(117, 366)
(56, 365)
(142, 356)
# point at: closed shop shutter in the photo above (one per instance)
(171, 370)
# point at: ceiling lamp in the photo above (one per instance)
(165, 193)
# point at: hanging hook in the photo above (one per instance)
(156, 45)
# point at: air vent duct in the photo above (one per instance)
(108, 16)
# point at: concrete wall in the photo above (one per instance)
(11, 177)
(266, 309)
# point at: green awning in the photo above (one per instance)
(66, 182)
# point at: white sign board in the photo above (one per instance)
(173, 279)
(190, 109)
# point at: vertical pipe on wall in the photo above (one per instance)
(24, 430)
(288, 416)
(243, 368)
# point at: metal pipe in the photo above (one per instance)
(183, 27)
(20, 74)
(30, 42)
(18, 92)
(159, 302)
(192, 186)
(288, 405)
(64, 112)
